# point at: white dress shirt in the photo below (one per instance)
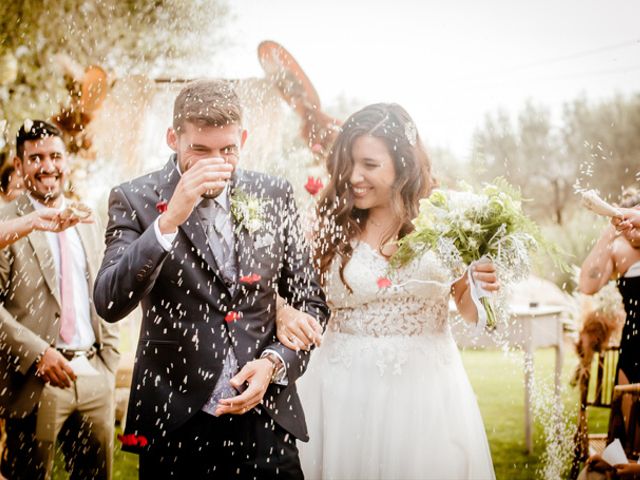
(84, 336)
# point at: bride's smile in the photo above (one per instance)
(373, 174)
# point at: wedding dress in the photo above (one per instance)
(386, 395)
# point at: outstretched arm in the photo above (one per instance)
(44, 219)
(598, 267)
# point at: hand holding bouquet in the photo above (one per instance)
(467, 227)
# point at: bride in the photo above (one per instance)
(386, 395)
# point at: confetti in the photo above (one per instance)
(250, 279)
(232, 316)
(131, 439)
(161, 206)
(313, 185)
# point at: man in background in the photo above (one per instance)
(57, 357)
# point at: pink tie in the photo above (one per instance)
(68, 320)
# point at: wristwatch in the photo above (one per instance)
(278, 366)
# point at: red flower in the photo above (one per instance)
(313, 185)
(131, 439)
(232, 316)
(161, 206)
(384, 282)
(250, 279)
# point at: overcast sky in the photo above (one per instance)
(447, 62)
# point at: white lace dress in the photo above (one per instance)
(386, 396)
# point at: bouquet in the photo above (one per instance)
(466, 227)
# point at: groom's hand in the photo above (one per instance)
(257, 376)
(207, 176)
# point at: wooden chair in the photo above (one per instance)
(625, 416)
(596, 386)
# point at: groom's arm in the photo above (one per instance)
(298, 285)
(132, 261)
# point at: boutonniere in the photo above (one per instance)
(247, 210)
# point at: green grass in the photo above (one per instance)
(125, 465)
(498, 382)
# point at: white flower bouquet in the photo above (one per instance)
(464, 227)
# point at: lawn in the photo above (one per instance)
(498, 382)
(499, 385)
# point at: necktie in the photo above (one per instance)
(219, 233)
(220, 237)
(68, 318)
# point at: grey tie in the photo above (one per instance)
(219, 231)
(218, 228)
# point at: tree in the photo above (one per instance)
(604, 139)
(530, 154)
(126, 37)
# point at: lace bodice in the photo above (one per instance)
(416, 302)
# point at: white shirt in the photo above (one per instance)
(84, 336)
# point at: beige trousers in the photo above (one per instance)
(89, 433)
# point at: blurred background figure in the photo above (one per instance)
(11, 185)
(614, 257)
(58, 358)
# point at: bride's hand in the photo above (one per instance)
(484, 274)
(297, 330)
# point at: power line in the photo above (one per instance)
(591, 73)
(572, 56)
(551, 60)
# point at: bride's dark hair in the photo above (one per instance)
(340, 221)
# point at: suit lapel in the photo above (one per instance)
(91, 256)
(243, 238)
(40, 245)
(192, 228)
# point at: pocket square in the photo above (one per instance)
(262, 241)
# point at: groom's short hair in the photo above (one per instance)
(208, 103)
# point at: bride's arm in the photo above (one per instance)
(482, 272)
(295, 329)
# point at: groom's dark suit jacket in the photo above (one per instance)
(184, 336)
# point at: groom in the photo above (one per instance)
(206, 248)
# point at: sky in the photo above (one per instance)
(449, 63)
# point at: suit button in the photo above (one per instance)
(140, 276)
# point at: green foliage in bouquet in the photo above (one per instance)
(464, 226)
